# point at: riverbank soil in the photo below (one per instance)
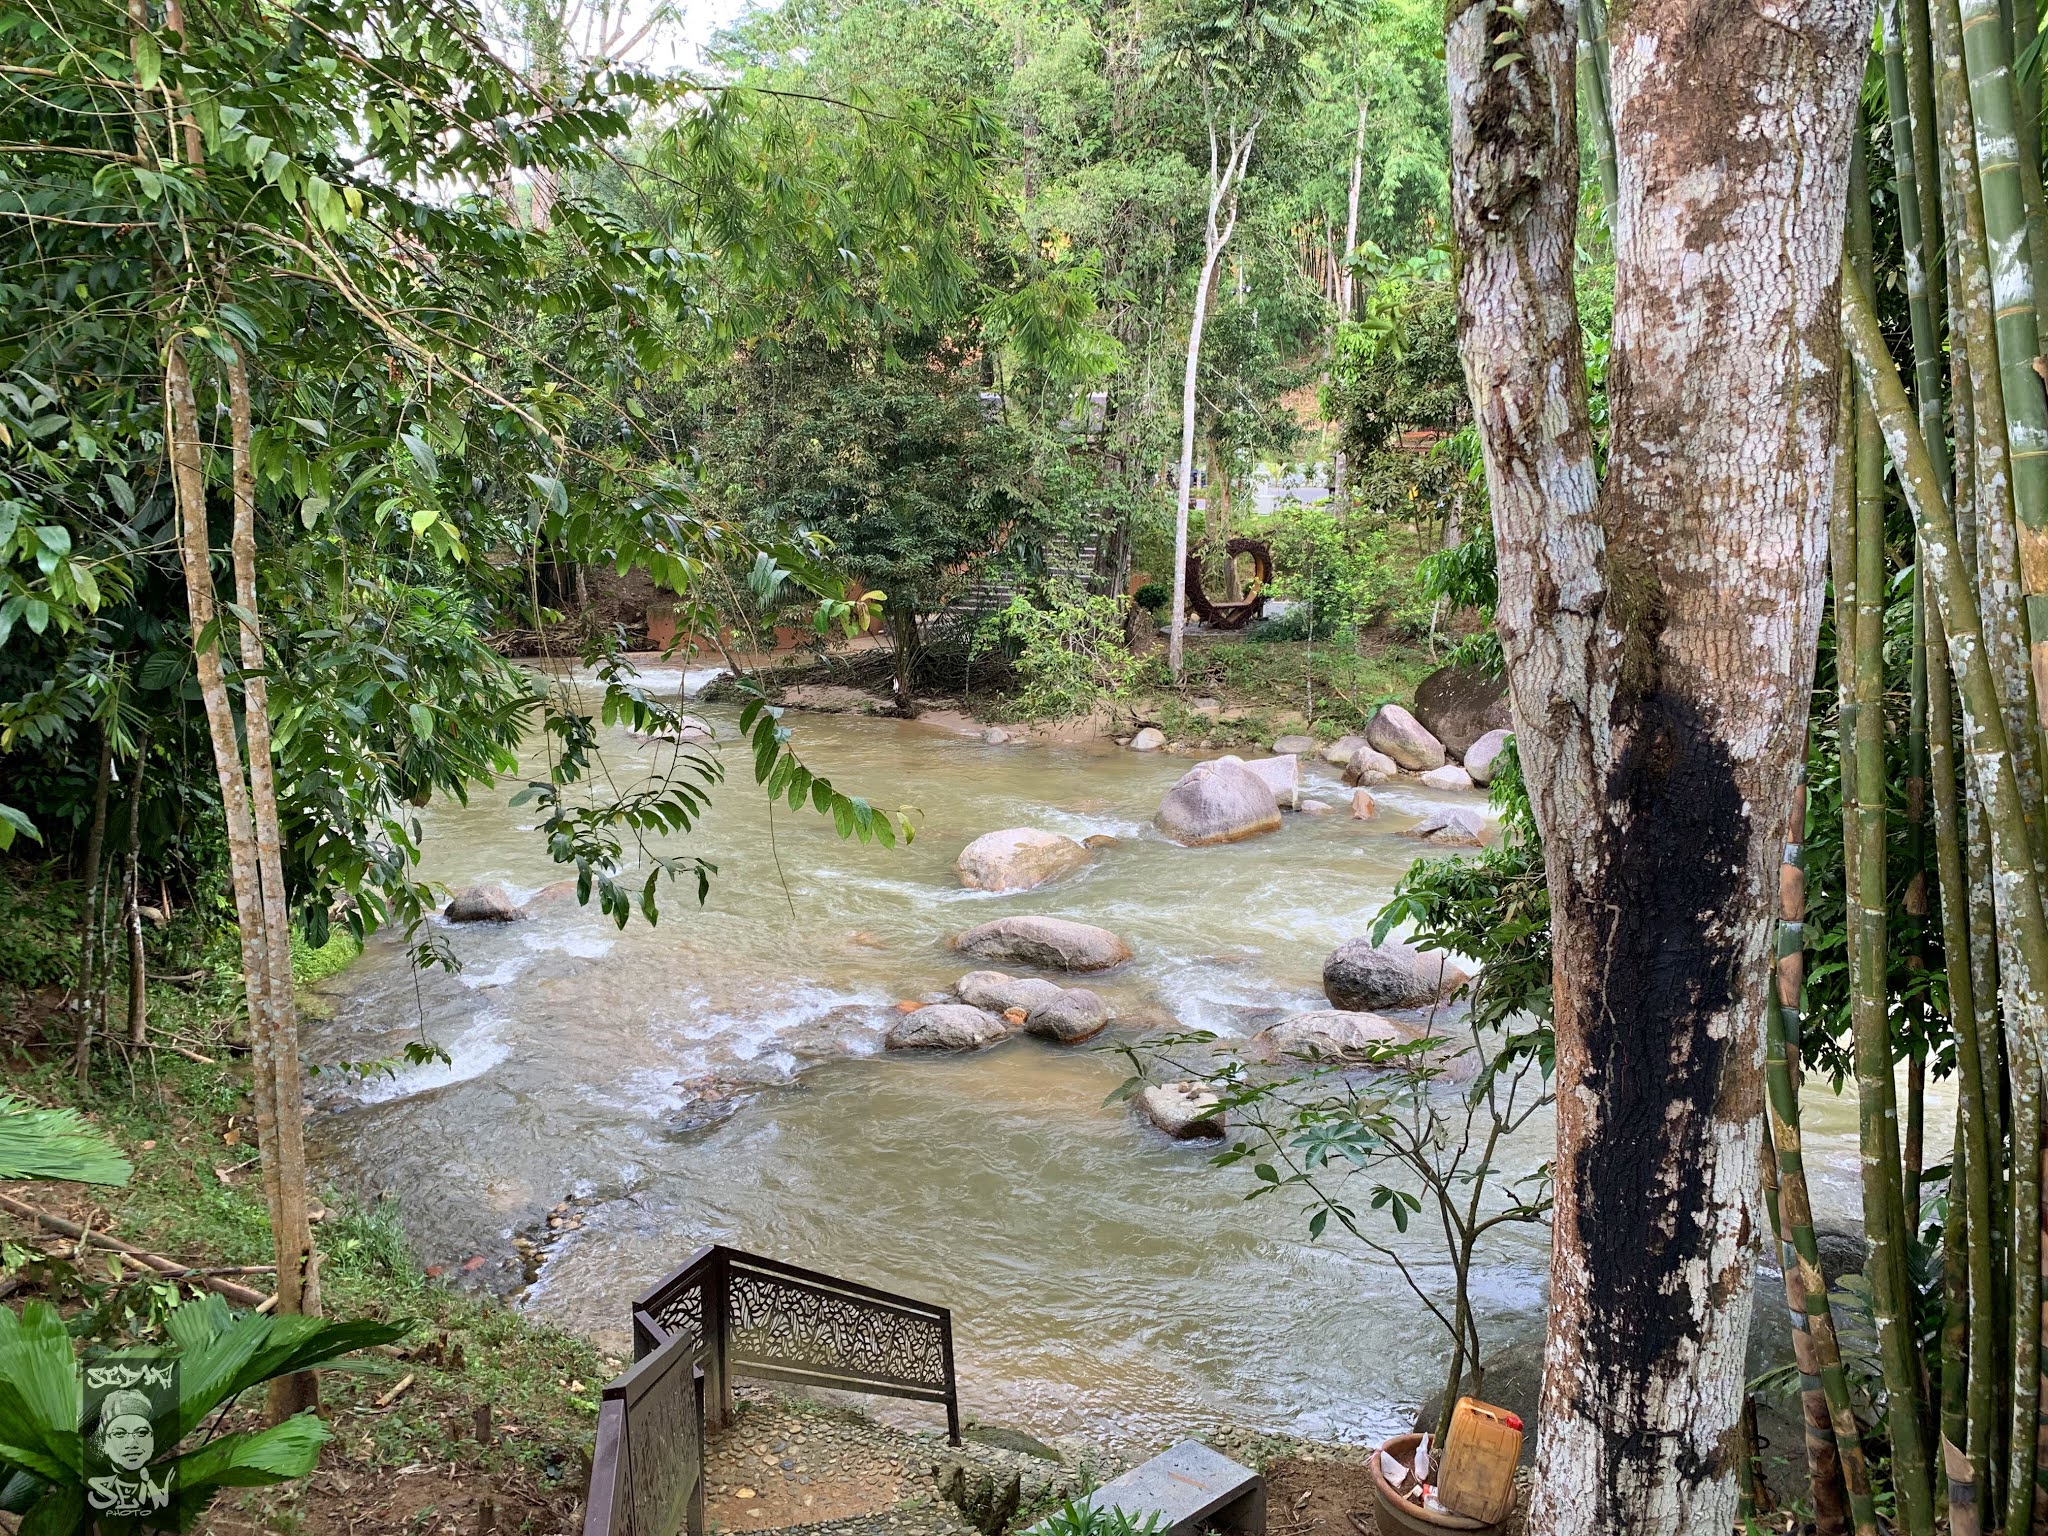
(1330, 1494)
(476, 1421)
(1234, 691)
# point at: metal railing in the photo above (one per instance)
(724, 1314)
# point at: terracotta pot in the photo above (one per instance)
(1397, 1517)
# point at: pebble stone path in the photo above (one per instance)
(791, 1464)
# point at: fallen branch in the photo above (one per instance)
(393, 1395)
(170, 1269)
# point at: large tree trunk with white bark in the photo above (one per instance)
(1660, 635)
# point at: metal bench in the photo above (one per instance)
(1190, 1488)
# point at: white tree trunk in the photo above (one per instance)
(1225, 177)
(1346, 286)
(1660, 638)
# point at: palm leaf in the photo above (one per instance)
(55, 1144)
(40, 1395)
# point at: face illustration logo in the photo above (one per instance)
(131, 1404)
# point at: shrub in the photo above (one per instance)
(1068, 647)
(1153, 596)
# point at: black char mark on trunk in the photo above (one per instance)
(1671, 962)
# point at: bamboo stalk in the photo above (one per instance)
(1911, 113)
(2004, 179)
(1955, 1381)
(1863, 814)
(2024, 929)
(1597, 98)
(1972, 1159)
(1834, 1447)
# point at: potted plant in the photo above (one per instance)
(1393, 1137)
(100, 1442)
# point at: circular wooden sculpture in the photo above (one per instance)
(1238, 614)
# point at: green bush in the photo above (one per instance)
(1152, 596)
(1068, 648)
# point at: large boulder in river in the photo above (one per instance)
(1483, 756)
(1220, 801)
(1450, 776)
(1282, 773)
(1332, 1032)
(1016, 859)
(483, 904)
(1299, 746)
(1051, 1012)
(1363, 977)
(1340, 752)
(946, 1027)
(1403, 738)
(1052, 942)
(1182, 1110)
(1458, 705)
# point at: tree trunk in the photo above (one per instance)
(90, 963)
(131, 901)
(1224, 179)
(1660, 643)
(1347, 286)
(279, 1133)
(275, 1047)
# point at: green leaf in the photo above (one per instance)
(423, 454)
(557, 497)
(149, 60)
(14, 824)
(55, 1144)
(310, 510)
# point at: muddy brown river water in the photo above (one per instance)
(1103, 1279)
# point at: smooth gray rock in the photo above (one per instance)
(1314, 807)
(1220, 801)
(1051, 1012)
(1450, 776)
(1369, 766)
(946, 1027)
(1017, 859)
(1055, 943)
(1451, 827)
(1184, 1111)
(1150, 739)
(1405, 739)
(1332, 1032)
(1299, 746)
(483, 904)
(1075, 1015)
(998, 991)
(1363, 977)
(1482, 756)
(1340, 752)
(1458, 705)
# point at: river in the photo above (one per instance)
(1104, 1281)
